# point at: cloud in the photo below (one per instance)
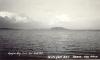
(73, 14)
(13, 20)
(13, 17)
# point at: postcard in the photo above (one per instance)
(49, 29)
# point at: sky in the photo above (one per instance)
(71, 14)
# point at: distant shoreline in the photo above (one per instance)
(51, 29)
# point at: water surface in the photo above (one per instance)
(61, 42)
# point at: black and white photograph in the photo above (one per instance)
(49, 29)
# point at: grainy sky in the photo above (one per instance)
(73, 14)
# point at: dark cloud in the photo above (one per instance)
(17, 21)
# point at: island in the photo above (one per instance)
(59, 28)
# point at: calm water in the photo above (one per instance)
(51, 41)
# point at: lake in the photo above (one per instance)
(49, 42)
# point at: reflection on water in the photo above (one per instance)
(50, 42)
